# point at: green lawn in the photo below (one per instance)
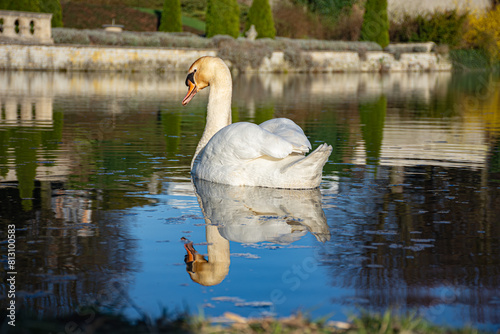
(186, 20)
(193, 23)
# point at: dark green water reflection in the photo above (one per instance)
(94, 173)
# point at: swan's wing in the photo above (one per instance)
(276, 138)
(253, 141)
(246, 141)
(289, 131)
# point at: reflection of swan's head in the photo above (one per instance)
(213, 271)
(206, 71)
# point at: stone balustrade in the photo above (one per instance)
(25, 27)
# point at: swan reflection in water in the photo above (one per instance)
(250, 215)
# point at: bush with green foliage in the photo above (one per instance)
(223, 18)
(439, 27)
(375, 22)
(171, 19)
(54, 7)
(261, 17)
(21, 5)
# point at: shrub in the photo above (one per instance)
(244, 53)
(100, 37)
(54, 7)
(348, 26)
(296, 57)
(375, 22)
(261, 17)
(189, 40)
(171, 20)
(223, 18)
(70, 36)
(483, 32)
(293, 21)
(322, 45)
(129, 38)
(439, 27)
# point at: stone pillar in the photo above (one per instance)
(43, 109)
(26, 110)
(11, 109)
(9, 26)
(24, 27)
(43, 30)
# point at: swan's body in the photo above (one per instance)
(244, 154)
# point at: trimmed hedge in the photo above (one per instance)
(261, 16)
(171, 18)
(223, 18)
(54, 7)
(21, 5)
(375, 23)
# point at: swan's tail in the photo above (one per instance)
(310, 168)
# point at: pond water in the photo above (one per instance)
(94, 173)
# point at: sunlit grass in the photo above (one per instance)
(365, 323)
(193, 23)
(186, 20)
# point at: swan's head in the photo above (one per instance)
(204, 72)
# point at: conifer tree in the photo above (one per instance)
(261, 16)
(54, 7)
(171, 19)
(223, 18)
(375, 22)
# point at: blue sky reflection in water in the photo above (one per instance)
(94, 172)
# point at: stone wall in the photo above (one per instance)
(85, 58)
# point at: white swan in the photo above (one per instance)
(244, 154)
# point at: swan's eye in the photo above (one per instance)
(190, 77)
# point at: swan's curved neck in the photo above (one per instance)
(218, 110)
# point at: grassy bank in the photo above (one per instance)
(91, 321)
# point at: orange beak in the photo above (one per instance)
(191, 252)
(192, 90)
